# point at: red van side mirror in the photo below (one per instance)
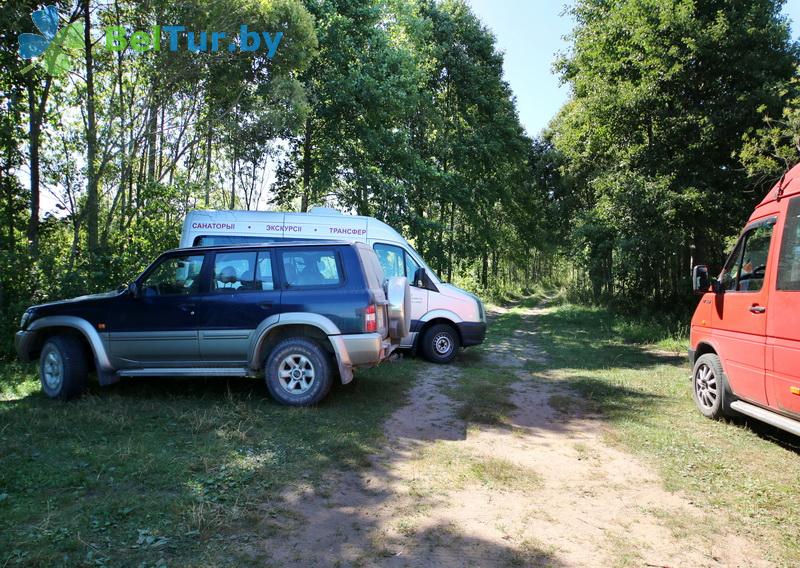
(700, 279)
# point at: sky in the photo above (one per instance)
(531, 33)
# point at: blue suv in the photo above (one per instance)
(295, 314)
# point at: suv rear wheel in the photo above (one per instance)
(298, 372)
(63, 369)
(440, 343)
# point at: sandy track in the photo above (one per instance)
(544, 490)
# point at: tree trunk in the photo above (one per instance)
(152, 136)
(233, 181)
(33, 141)
(35, 117)
(91, 137)
(161, 144)
(208, 164)
(10, 203)
(307, 167)
(125, 157)
(450, 244)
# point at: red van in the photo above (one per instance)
(745, 336)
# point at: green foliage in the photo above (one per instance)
(411, 122)
(773, 148)
(663, 92)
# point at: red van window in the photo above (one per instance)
(789, 261)
(731, 270)
(747, 265)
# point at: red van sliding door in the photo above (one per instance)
(739, 315)
(783, 327)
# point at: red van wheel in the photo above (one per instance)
(710, 387)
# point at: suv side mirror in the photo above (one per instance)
(134, 290)
(700, 279)
(423, 280)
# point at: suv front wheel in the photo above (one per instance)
(63, 368)
(298, 372)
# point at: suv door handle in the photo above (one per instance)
(187, 308)
(756, 309)
(266, 305)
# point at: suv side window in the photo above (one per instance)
(234, 272)
(264, 278)
(310, 268)
(174, 276)
(789, 260)
(747, 266)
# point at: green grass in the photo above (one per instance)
(155, 471)
(745, 472)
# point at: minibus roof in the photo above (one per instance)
(788, 185)
(319, 223)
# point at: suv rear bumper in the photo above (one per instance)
(366, 348)
(359, 350)
(24, 342)
(472, 333)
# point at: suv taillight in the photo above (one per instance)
(370, 319)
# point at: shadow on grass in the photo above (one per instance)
(153, 468)
(523, 348)
(785, 440)
(586, 338)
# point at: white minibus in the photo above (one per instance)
(444, 318)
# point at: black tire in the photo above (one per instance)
(440, 343)
(710, 389)
(295, 389)
(63, 368)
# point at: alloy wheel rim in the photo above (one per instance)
(53, 369)
(442, 343)
(296, 374)
(705, 386)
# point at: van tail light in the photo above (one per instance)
(370, 319)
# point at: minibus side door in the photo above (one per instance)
(739, 314)
(783, 325)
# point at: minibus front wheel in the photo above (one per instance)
(710, 389)
(440, 343)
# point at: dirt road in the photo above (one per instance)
(543, 489)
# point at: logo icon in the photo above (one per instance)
(53, 45)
